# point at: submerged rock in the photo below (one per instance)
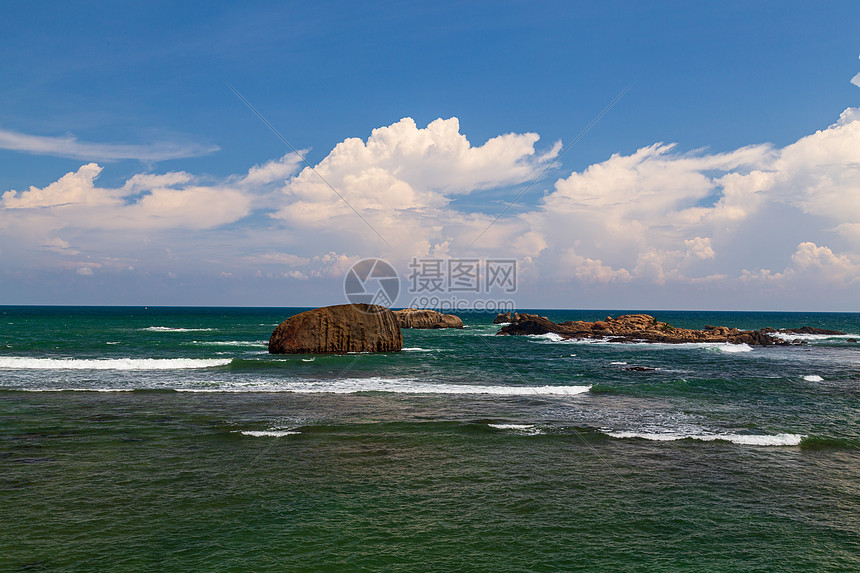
(424, 318)
(338, 329)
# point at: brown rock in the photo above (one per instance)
(423, 318)
(637, 327)
(338, 329)
(502, 318)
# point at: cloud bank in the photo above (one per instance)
(759, 220)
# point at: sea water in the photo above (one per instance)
(168, 438)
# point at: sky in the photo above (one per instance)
(627, 155)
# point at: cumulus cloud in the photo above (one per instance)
(663, 214)
(401, 181)
(653, 218)
(810, 262)
(144, 202)
(69, 146)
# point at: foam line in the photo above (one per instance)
(24, 363)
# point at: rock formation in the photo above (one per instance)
(422, 318)
(338, 329)
(502, 318)
(644, 327)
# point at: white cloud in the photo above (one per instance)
(145, 202)
(401, 181)
(811, 258)
(662, 214)
(69, 146)
(811, 263)
(699, 247)
(71, 188)
(654, 218)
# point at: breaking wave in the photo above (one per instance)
(175, 329)
(24, 363)
(741, 439)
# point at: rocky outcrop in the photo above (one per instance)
(502, 318)
(644, 327)
(423, 318)
(338, 329)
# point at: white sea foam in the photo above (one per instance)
(75, 389)
(619, 363)
(813, 378)
(741, 439)
(269, 433)
(24, 363)
(418, 349)
(228, 342)
(811, 337)
(528, 429)
(172, 329)
(550, 336)
(308, 359)
(390, 385)
(725, 346)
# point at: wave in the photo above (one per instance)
(551, 337)
(387, 385)
(269, 433)
(527, 429)
(175, 329)
(418, 349)
(23, 363)
(72, 389)
(741, 439)
(229, 342)
(811, 337)
(724, 346)
(813, 378)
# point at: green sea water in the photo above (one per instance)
(139, 439)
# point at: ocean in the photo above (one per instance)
(141, 439)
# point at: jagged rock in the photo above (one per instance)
(502, 318)
(529, 324)
(636, 327)
(423, 318)
(338, 329)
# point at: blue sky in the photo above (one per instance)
(726, 177)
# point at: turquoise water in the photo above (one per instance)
(168, 439)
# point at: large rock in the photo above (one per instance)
(423, 318)
(338, 329)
